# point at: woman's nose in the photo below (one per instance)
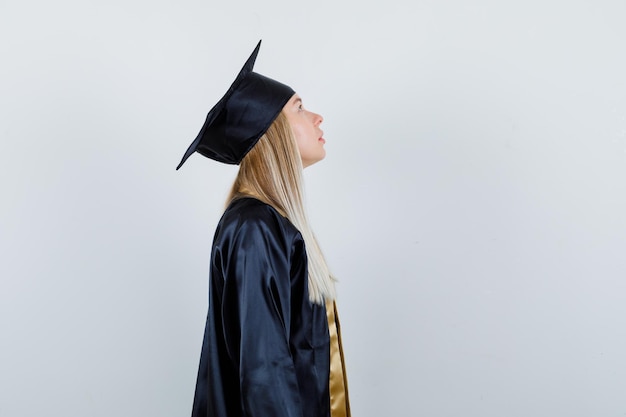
(317, 119)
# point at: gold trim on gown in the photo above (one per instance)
(338, 383)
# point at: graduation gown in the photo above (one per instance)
(265, 351)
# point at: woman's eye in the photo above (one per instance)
(300, 107)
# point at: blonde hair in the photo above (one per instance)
(272, 172)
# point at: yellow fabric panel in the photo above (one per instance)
(338, 384)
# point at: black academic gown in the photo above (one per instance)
(266, 346)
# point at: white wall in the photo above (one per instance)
(472, 201)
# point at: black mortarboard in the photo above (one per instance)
(241, 117)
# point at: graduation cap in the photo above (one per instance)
(235, 124)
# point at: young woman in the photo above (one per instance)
(272, 343)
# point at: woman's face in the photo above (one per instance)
(306, 127)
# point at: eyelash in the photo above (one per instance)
(300, 107)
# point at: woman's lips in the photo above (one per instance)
(322, 140)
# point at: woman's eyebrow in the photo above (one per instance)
(298, 100)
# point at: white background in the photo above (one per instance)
(472, 201)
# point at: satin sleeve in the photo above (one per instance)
(256, 320)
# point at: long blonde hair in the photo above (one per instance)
(272, 172)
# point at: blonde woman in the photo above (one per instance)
(272, 345)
